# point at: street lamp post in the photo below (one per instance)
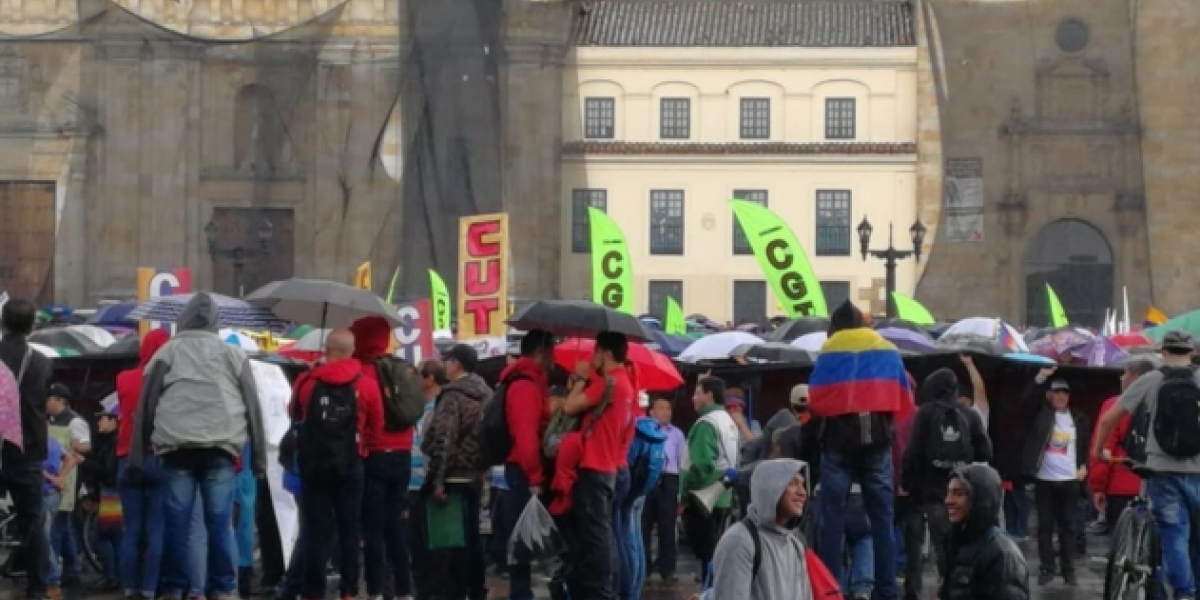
(891, 256)
(238, 253)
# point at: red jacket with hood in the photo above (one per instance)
(372, 336)
(129, 388)
(341, 372)
(1113, 479)
(527, 410)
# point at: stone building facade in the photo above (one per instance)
(1070, 136)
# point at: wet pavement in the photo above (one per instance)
(1090, 583)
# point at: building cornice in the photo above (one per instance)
(589, 148)
(644, 57)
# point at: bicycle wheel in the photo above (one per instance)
(86, 521)
(1133, 559)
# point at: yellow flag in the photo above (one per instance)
(362, 276)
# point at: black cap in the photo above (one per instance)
(1179, 341)
(58, 390)
(466, 356)
(1060, 385)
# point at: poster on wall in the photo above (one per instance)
(963, 199)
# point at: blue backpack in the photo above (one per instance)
(647, 456)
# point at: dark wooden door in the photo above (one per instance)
(27, 240)
(260, 265)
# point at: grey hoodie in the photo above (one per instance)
(199, 392)
(782, 573)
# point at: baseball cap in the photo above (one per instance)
(1180, 341)
(800, 395)
(59, 390)
(464, 355)
(1060, 385)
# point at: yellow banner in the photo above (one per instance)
(482, 276)
(362, 276)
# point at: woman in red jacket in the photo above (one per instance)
(1111, 482)
(142, 498)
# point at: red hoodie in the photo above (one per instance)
(1113, 479)
(129, 388)
(527, 410)
(372, 336)
(341, 372)
(566, 471)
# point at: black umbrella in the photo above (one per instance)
(967, 342)
(577, 318)
(128, 345)
(773, 352)
(65, 337)
(798, 327)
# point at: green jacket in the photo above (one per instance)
(703, 447)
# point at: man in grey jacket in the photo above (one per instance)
(778, 494)
(198, 409)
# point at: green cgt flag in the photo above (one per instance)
(782, 259)
(439, 299)
(908, 309)
(612, 275)
(675, 323)
(1058, 316)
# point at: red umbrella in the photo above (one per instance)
(1133, 339)
(655, 372)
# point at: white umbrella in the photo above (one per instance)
(313, 341)
(239, 339)
(811, 342)
(990, 328)
(100, 337)
(46, 351)
(717, 346)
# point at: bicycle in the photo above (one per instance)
(1136, 553)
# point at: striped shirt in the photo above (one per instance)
(416, 478)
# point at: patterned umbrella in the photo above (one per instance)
(231, 312)
(907, 339)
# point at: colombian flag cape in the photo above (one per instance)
(859, 371)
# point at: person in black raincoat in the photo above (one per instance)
(982, 562)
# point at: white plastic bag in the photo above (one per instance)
(535, 536)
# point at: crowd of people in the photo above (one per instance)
(389, 462)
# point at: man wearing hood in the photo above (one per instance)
(527, 413)
(198, 409)
(944, 436)
(982, 562)
(451, 447)
(387, 470)
(776, 566)
(142, 499)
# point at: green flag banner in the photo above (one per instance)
(675, 324)
(782, 259)
(908, 309)
(392, 287)
(612, 275)
(1058, 316)
(439, 301)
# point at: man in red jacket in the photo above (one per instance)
(527, 412)
(332, 479)
(1114, 484)
(387, 469)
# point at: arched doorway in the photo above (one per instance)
(1076, 260)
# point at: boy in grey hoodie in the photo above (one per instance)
(778, 491)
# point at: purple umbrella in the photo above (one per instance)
(1062, 341)
(906, 339)
(1103, 352)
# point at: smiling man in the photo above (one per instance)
(983, 563)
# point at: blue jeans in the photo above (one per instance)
(108, 549)
(510, 504)
(245, 496)
(861, 574)
(142, 517)
(622, 567)
(208, 474)
(1175, 501)
(197, 550)
(64, 546)
(631, 587)
(871, 469)
(1016, 511)
(50, 502)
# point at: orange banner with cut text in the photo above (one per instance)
(482, 276)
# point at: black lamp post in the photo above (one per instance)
(238, 253)
(891, 256)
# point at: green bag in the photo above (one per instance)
(444, 523)
(561, 423)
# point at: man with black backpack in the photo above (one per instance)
(334, 406)
(944, 436)
(1054, 456)
(1170, 400)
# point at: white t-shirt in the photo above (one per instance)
(1058, 458)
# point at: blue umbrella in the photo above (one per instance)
(231, 312)
(1026, 357)
(114, 314)
(670, 345)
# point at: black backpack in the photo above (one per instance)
(1177, 414)
(1134, 443)
(328, 437)
(400, 386)
(495, 440)
(948, 441)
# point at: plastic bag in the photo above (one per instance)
(535, 536)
